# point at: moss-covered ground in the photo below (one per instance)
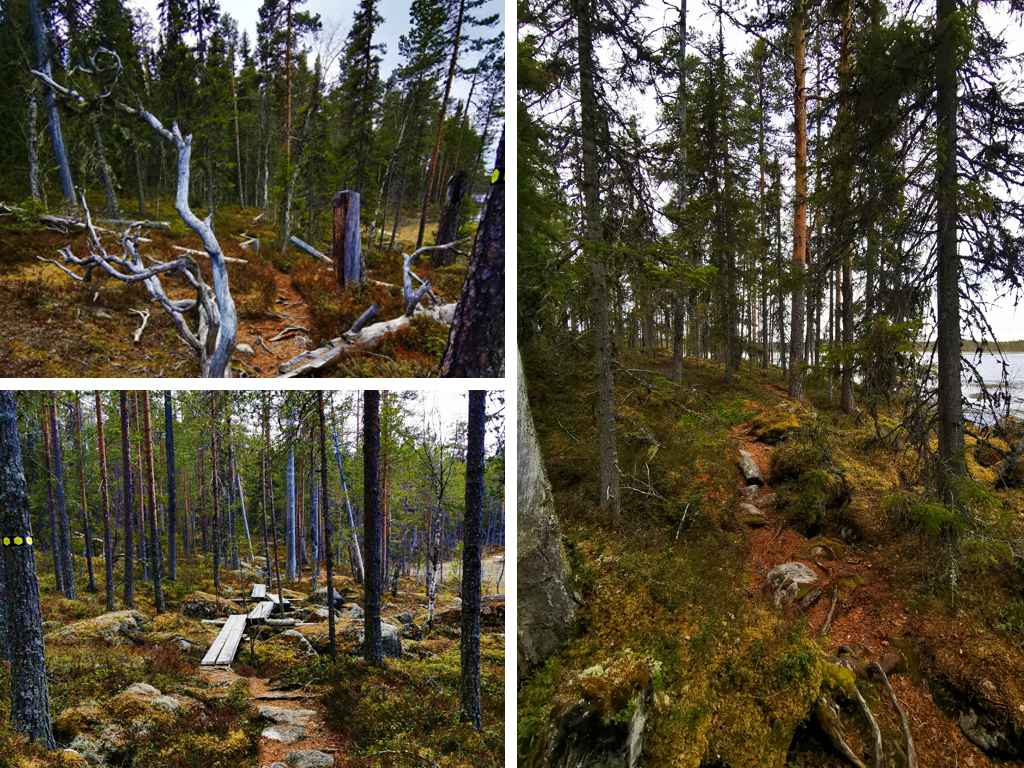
(403, 714)
(678, 582)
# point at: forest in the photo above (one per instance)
(770, 443)
(300, 578)
(183, 195)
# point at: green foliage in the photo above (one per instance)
(939, 522)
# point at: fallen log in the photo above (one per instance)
(144, 223)
(305, 247)
(194, 252)
(366, 339)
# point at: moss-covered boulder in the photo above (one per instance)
(203, 605)
(117, 628)
(810, 489)
(773, 427)
(986, 455)
(76, 720)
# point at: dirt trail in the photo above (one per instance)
(293, 322)
(317, 736)
(868, 617)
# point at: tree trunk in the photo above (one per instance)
(448, 228)
(442, 110)
(269, 491)
(108, 541)
(215, 450)
(155, 555)
(358, 569)
(845, 119)
(373, 649)
(33, 143)
(126, 485)
(291, 564)
(328, 526)
(86, 524)
(51, 503)
(40, 33)
(172, 490)
(67, 563)
(345, 248)
(238, 138)
(106, 174)
(796, 339)
(469, 639)
(476, 340)
(30, 699)
(608, 476)
(951, 419)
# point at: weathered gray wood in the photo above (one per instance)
(261, 611)
(348, 261)
(259, 591)
(225, 645)
(305, 247)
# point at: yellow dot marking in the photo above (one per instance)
(7, 541)
(28, 539)
(17, 541)
(495, 175)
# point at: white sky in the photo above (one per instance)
(1006, 320)
(336, 17)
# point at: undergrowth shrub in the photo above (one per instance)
(908, 511)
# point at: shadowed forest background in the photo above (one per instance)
(771, 438)
(281, 120)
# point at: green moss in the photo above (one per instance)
(773, 427)
(908, 511)
(792, 460)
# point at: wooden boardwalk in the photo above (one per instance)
(225, 645)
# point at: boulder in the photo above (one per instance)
(404, 618)
(751, 516)
(391, 638)
(73, 721)
(786, 582)
(320, 597)
(148, 696)
(492, 613)
(309, 758)
(772, 428)
(992, 738)
(286, 734)
(202, 605)
(751, 472)
(300, 640)
(544, 598)
(986, 455)
(117, 628)
(412, 631)
(355, 612)
(285, 716)
(90, 749)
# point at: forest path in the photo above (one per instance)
(293, 321)
(869, 616)
(283, 710)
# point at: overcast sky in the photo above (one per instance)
(1006, 320)
(336, 16)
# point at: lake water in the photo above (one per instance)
(990, 367)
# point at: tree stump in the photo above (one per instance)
(448, 229)
(348, 262)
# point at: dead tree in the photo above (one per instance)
(448, 228)
(348, 260)
(476, 340)
(211, 337)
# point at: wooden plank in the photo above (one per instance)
(234, 639)
(225, 645)
(275, 599)
(259, 591)
(261, 611)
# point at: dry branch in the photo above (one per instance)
(904, 724)
(144, 314)
(305, 247)
(366, 339)
(204, 254)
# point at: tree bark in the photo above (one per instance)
(951, 419)
(448, 228)
(67, 564)
(106, 174)
(172, 490)
(126, 484)
(50, 501)
(40, 33)
(31, 119)
(608, 472)
(155, 555)
(328, 526)
(469, 639)
(346, 251)
(476, 340)
(108, 541)
(796, 339)
(215, 450)
(373, 648)
(30, 699)
(846, 400)
(86, 524)
(291, 564)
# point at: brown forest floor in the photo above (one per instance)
(57, 327)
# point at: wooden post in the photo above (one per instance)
(348, 262)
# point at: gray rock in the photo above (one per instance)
(244, 349)
(751, 472)
(286, 734)
(299, 639)
(545, 605)
(309, 758)
(355, 612)
(752, 516)
(90, 749)
(785, 580)
(404, 618)
(391, 637)
(320, 597)
(285, 716)
(989, 737)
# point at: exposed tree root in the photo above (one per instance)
(904, 724)
(875, 730)
(826, 713)
(831, 611)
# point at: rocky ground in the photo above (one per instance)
(127, 688)
(770, 555)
